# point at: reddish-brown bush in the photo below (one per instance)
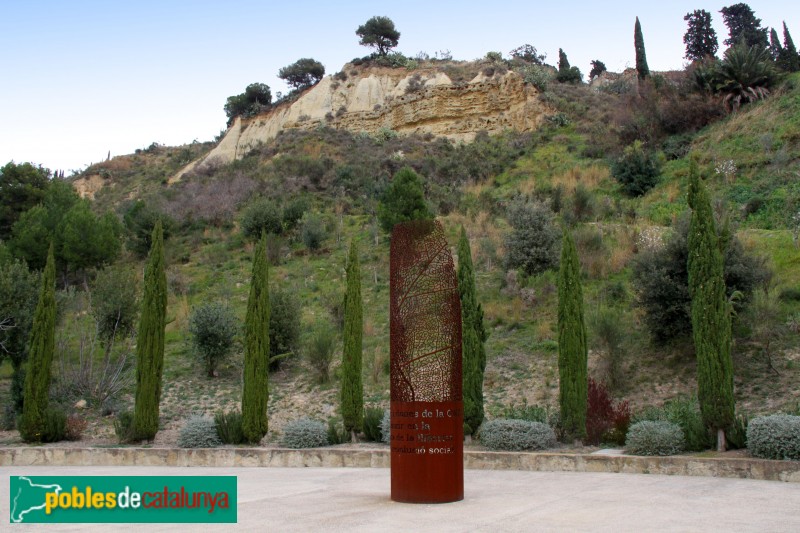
(605, 421)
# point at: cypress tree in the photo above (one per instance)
(352, 389)
(790, 60)
(775, 48)
(711, 317)
(473, 336)
(255, 393)
(150, 341)
(32, 425)
(572, 350)
(641, 59)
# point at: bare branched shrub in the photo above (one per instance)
(91, 366)
(214, 201)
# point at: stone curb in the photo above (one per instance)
(744, 468)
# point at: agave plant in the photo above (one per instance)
(744, 75)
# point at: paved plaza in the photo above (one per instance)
(357, 499)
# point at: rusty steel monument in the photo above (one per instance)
(427, 464)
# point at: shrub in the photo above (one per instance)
(654, 438)
(213, 328)
(229, 427)
(320, 351)
(74, 428)
(115, 305)
(736, 435)
(403, 200)
(661, 279)
(336, 433)
(55, 427)
(637, 170)
(9, 420)
(139, 221)
(605, 422)
(386, 427)
(530, 413)
(538, 76)
(516, 435)
(774, 437)
(123, 426)
(199, 432)
(313, 231)
(261, 215)
(284, 323)
(305, 433)
(534, 243)
(373, 418)
(293, 212)
(608, 332)
(685, 413)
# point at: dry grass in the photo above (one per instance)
(182, 312)
(622, 249)
(590, 177)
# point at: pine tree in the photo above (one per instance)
(473, 337)
(150, 341)
(700, 38)
(352, 389)
(572, 349)
(32, 424)
(403, 200)
(255, 393)
(641, 58)
(711, 316)
(743, 25)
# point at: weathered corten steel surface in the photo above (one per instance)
(427, 458)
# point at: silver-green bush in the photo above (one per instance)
(305, 433)
(386, 426)
(654, 437)
(199, 432)
(517, 435)
(774, 437)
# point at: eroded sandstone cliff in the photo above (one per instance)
(420, 101)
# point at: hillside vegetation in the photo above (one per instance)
(324, 187)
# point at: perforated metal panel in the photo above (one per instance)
(425, 322)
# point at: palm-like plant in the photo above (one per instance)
(745, 75)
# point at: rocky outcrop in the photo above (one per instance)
(422, 101)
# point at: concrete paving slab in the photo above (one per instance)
(357, 499)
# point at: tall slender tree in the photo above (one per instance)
(711, 314)
(572, 348)
(150, 341)
(700, 38)
(33, 423)
(775, 48)
(473, 337)
(255, 393)
(789, 60)
(641, 58)
(352, 388)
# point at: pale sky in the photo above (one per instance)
(81, 78)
